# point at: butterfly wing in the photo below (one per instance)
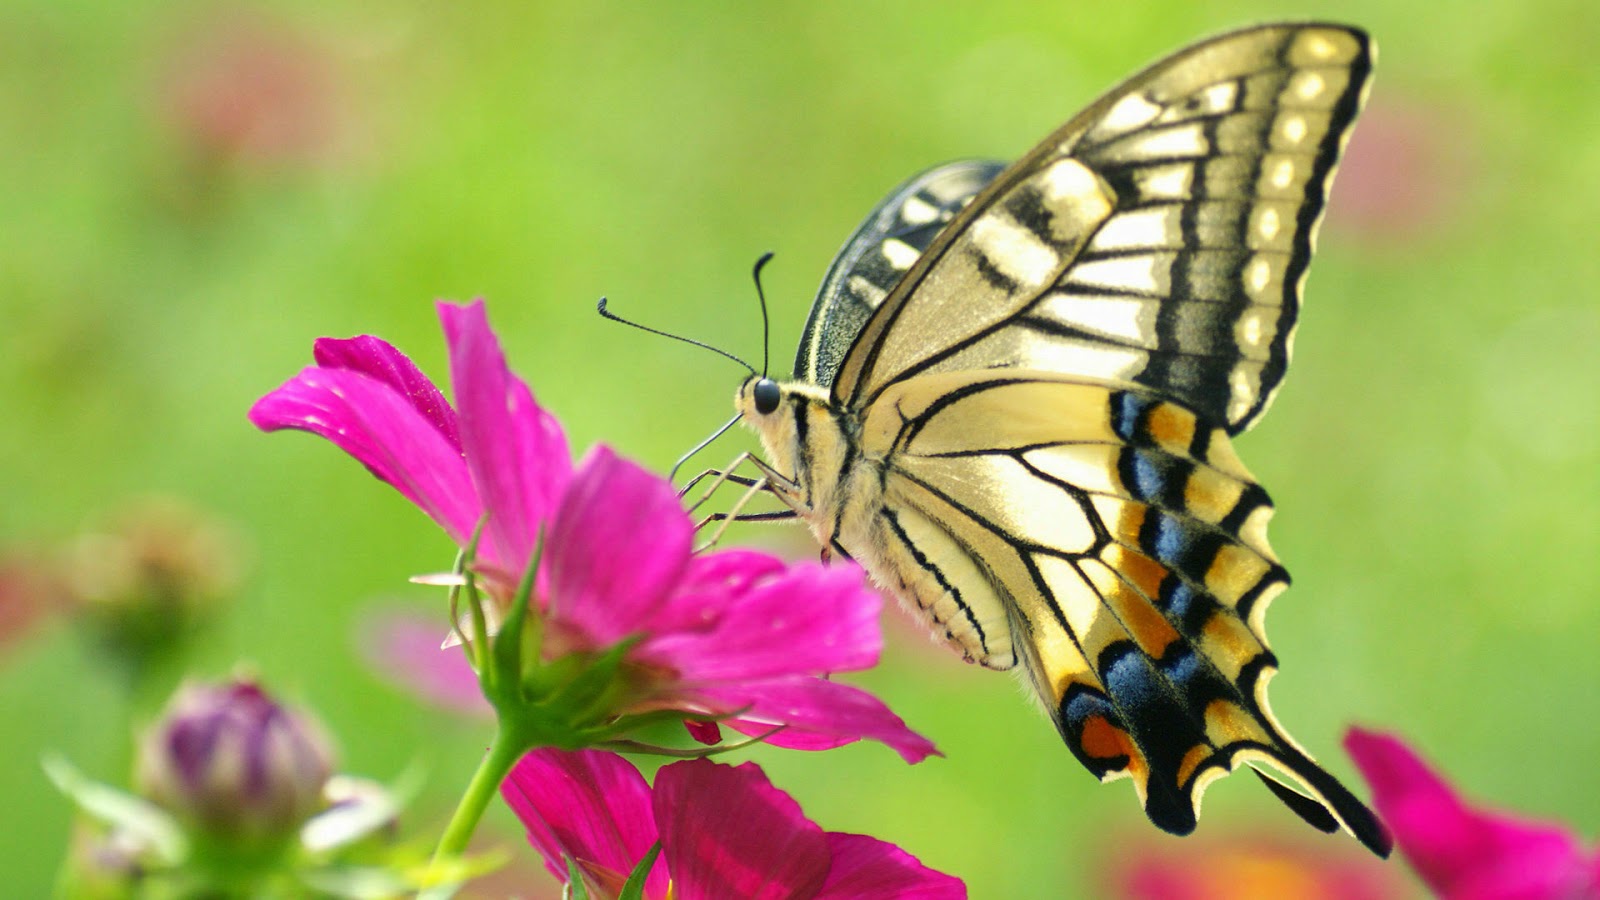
(1112, 542)
(878, 255)
(1160, 237)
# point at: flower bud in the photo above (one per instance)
(146, 581)
(233, 764)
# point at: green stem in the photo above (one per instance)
(507, 748)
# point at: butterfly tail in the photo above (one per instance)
(1328, 804)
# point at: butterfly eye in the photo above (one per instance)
(766, 395)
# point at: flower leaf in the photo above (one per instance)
(150, 825)
(576, 889)
(633, 889)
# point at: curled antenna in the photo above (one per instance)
(606, 313)
(673, 475)
(766, 342)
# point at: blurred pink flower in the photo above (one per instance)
(725, 831)
(242, 87)
(733, 633)
(1248, 869)
(405, 650)
(1467, 853)
(1404, 174)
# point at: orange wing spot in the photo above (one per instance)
(1172, 427)
(1144, 622)
(1192, 760)
(1229, 644)
(1139, 617)
(1103, 740)
(1234, 571)
(1210, 495)
(1130, 522)
(1227, 722)
(1143, 572)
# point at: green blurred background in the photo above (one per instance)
(191, 193)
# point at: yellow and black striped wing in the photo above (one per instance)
(1160, 237)
(1112, 542)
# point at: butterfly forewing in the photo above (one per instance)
(878, 255)
(1161, 237)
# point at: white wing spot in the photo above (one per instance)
(1124, 318)
(866, 290)
(1268, 224)
(1308, 85)
(1129, 113)
(1066, 179)
(1166, 182)
(917, 211)
(1250, 331)
(900, 254)
(1294, 129)
(1283, 174)
(1317, 46)
(1258, 275)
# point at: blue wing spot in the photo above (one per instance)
(1154, 476)
(1184, 549)
(1161, 725)
(1127, 414)
(1185, 607)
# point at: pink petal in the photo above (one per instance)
(727, 832)
(819, 715)
(707, 733)
(809, 619)
(710, 585)
(865, 868)
(617, 547)
(379, 359)
(592, 806)
(516, 451)
(384, 431)
(406, 649)
(1460, 851)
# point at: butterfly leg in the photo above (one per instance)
(771, 480)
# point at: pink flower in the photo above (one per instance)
(733, 633)
(1462, 852)
(1245, 868)
(725, 831)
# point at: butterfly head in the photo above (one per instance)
(759, 397)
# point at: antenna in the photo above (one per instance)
(766, 342)
(608, 314)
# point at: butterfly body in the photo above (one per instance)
(1016, 394)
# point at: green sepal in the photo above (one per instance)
(512, 645)
(576, 889)
(590, 694)
(153, 827)
(477, 642)
(633, 889)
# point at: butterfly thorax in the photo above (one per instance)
(813, 450)
(824, 466)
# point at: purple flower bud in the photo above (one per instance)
(233, 764)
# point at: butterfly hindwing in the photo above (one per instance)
(1160, 237)
(878, 255)
(1127, 543)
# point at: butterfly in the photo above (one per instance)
(1016, 392)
